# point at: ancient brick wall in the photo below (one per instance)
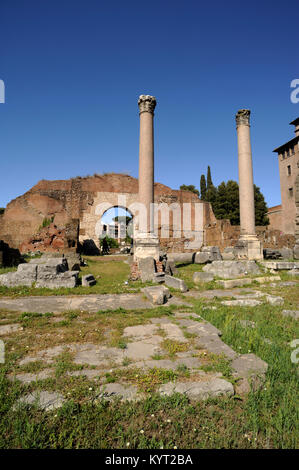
(275, 216)
(65, 200)
(223, 234)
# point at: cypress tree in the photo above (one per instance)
(211, 194)
(209, 179)
(203, 188)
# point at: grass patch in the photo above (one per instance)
(111, 273)
(173, 347)
(8, 269)
(148, 381)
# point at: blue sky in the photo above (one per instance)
(73, 72)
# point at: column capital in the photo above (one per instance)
(147, 104)
(243, 117)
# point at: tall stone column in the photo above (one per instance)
(146, 242)
(248, 246)
(147, 106)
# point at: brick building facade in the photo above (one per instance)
(288, 160)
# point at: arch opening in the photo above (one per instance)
(117, 224)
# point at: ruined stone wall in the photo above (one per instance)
(275, 216)
(223, 234)
(66, 200)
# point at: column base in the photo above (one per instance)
(146, 245)
(248, 247)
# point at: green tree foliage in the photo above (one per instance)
(203, 188)
(261, 208)
(209, 179)
(232, 194)
(225, 199)
(211, 194)
(189, 187)
(122, 219)
(221, 207)
(227, 206)
(107, 243)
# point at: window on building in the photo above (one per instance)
(289, 170)
(292, 149)
(290, 192)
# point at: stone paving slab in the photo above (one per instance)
(143, 343)
(215, 345)
(186, 315)
(199, 390)
(211, 294)
(144, 349)
(288, 283)
(241, 303)
(159, 321)
(200, 328)
(91, 303)
(174, 332)
(116, 390)
(47, 355)
(89, 373)
(140, 331)
(192, 363)
(31, 377)
(249, 364)
(291, 313)
(8, 329)
(208, 337)
(97, 355)
(47, 401)
(274, 300)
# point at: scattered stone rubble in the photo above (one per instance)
(199, 277)
(281, 265)
(232, 269)
(291, 313)
(88, 280)
(243, 282)
(157, 295)
(175, 282)
(50, 271)
(283, 253)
